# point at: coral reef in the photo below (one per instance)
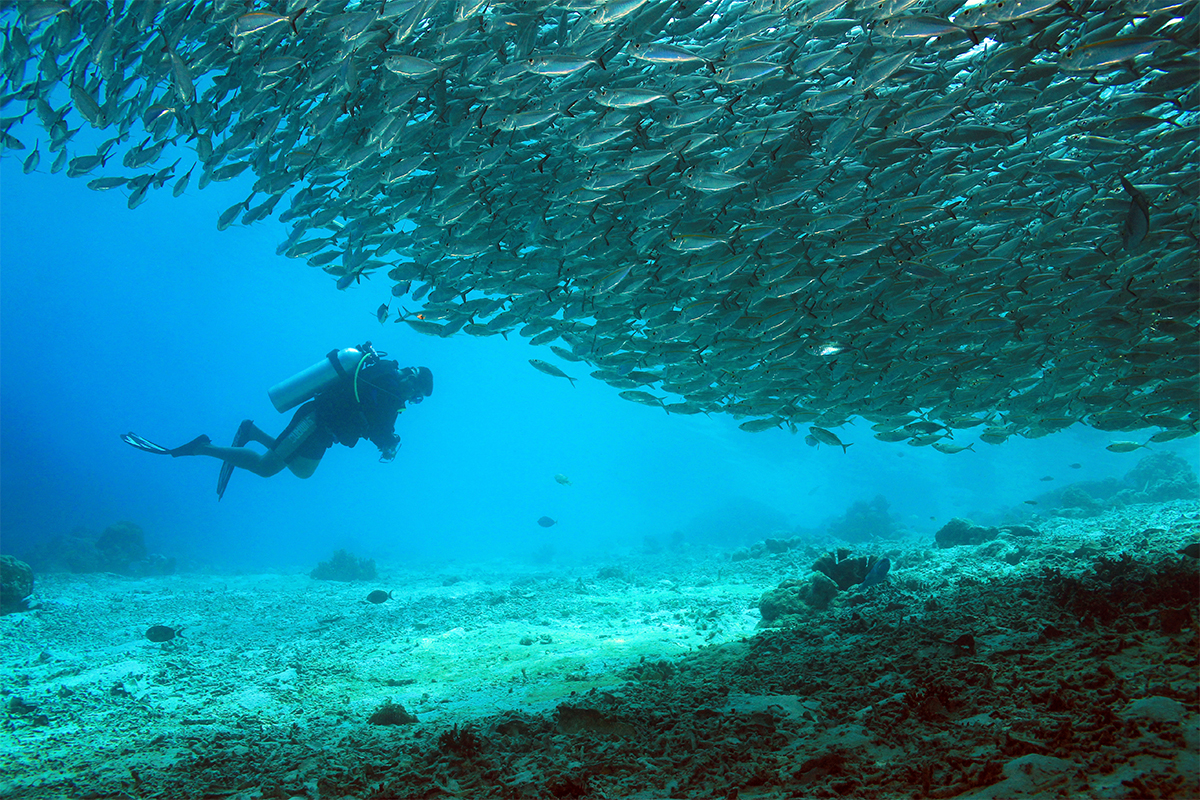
(343, 566)
(16, 584)
(119, 548)
(391, 714)
(844, 570)
(1159, 477)
(771, 546)
(1076, 501)
(1129, 593)
(832, 573)
(960, 531)
(614, 572)
(1070, 673)
(463, 742)
(122, 543)
(796, 597)
(865, 521)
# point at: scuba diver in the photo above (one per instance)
(352, 394)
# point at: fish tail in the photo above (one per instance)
(294, 18)
(1065, 6)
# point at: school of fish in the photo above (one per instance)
(931, 214)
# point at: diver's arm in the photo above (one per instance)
(382, 433)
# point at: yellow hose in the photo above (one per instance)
(358, 369)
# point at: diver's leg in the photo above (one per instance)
(266, 464)
(253, 433)
(303, 467)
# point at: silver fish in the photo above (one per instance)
(550, 369)
(793, 213)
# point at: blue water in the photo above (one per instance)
(152, 321)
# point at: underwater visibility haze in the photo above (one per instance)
(813, 414)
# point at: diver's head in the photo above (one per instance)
(418, 384)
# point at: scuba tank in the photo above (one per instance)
(305, 385)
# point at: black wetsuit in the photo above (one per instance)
(335, 416)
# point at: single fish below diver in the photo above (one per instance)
(1192, 550)
(379, 596)
(562, 479)
(546, 522)
(877, 573)
(950, 448)
(550, 369)
(161, 633)
(827, 437)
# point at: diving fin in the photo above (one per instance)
(191, 447)
(133, 440)
(145, 445)
(239, 440)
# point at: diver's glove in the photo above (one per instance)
(388, 452)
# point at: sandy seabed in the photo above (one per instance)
(1057, 665)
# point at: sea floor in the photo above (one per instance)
(641, 677)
